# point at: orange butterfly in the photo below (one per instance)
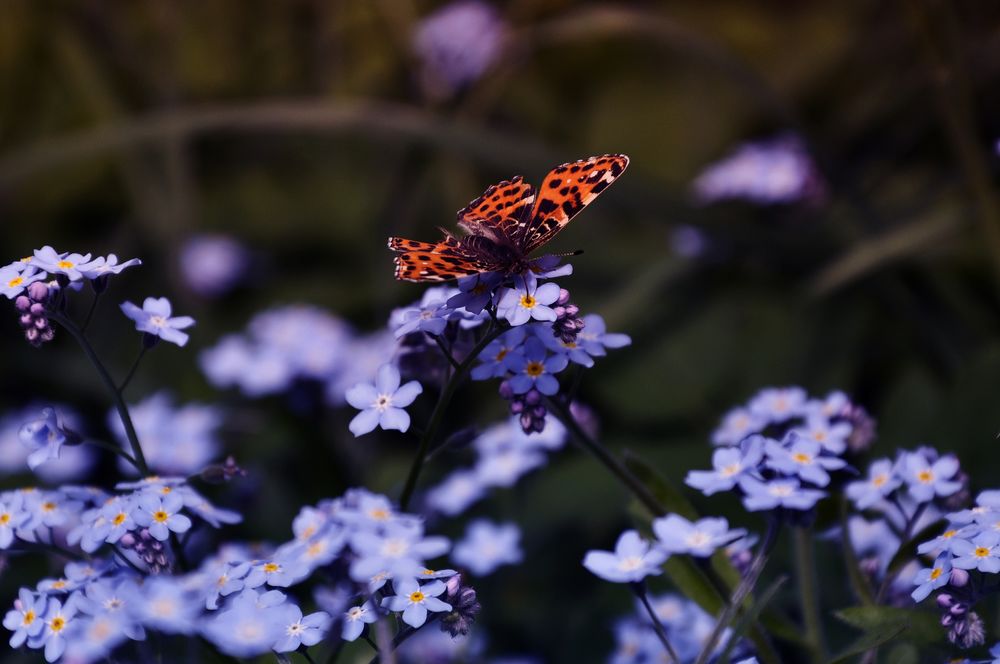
(506, 224)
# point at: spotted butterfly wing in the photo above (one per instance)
(566, 190)
(500, 212)
(432, 261)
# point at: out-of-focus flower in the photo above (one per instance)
(355, 619)
(925, 478)
(457, 44)
(787, 493)
(486, 546)
(632, 560)
(882, 480)
(177, 440)
(213, 264)
(778, 170)
(700, 538)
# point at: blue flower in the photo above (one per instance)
(832, 435)
(155, 319)
(457, 44)
(278, 571)
(415, 600)
(58, 619)
(27, 618)
(45, 436)
(982, 553)
(70, 265)
(932, 578)
(113, 597)
(224, 580)
(382, 404)
(533, 367)
(12, 516)
(475, 292)
(700, 538)
(355, 619)
(778, 404)
(493, 357)
(528, 301)
(104, 267)
(400, 549)
(729, 464)
(736, 425)
(212, 265)
(594, 339)
(431, 315)
(302, 631)
(14, 279)
(787, 493)
(925, 480)
(161, 515)
(456, 493)
(506, 466)
(882, 481)
(486, 546)
(946, 540)
(177, 439)
(801, 458)
(632, 560)
(249, 626)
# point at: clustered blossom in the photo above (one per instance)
(634, 558)
(964, 560)
(34, 319)
(778, 170)
(687, 627)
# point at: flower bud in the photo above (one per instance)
(23, 303)
(959, 577)
(38, 292)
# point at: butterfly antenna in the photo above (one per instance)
(567, 254)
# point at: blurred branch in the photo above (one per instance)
(874, 252)
(377, 119)
(953, 98)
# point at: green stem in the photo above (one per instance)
(742, 591)
(305, 653)
(90, 312)
(109, 383)
(115, 449)
(805, 565)
(859, 583)
(621, 473)
(403, 636)
(131, 372)
(640, 591)
(438, 415)
(447, 353)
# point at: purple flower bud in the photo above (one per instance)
(532, 397)
(959, 577)
(47, 335)
(563, 297)
(37, 309)
(506, 391)
(41, 323)
(38, 292)
(22, 303)
(33, 336)
(26, 320)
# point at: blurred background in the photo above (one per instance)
(811, 201)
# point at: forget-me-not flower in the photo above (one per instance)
(882, 480)
(382, 404)
(729, 464)
(787, 493)
(528, 301)
(982, 553)
(533, 367)
(355, 619)
(925, 479)
(155, 319)
(486, 546)
(699, 538)
(632, 560)
(932, 578)
(415, 600)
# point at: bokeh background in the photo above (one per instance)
(307, 131)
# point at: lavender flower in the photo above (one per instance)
(533, 367)
(528, 301)
(415, 601)
(925, 479)
(213, 264)
(700, 538)
(632, 560)
(457, 44)
(929, 579)
(486, 546)
(155, 320)
(787, 493)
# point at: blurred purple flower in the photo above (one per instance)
(212, 265)
(457, 44)
(155, 319)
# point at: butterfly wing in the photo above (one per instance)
(433, 261)
(566, 190)
(501, 212)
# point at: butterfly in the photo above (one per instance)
(507, 223)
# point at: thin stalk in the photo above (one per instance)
(403, 636)
(447, 353)
(640, 591)
(438, 414)
(859, 583)
(131, 372)
(904, 540)
(305, 653)
(805, 565)
(109, 383)
(621, 473)
(114, 449)
(90, 312)
(742, 591)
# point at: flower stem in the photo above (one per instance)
(640, 591)
(90, 312)
(805, 564)
(401, 637)
(621, 473)
(109, 383)
(742, 591)
(131, 372)
(438, 414)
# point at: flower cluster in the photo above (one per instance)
(686, 625)
(177, 440)
(778, 170)
(778, 451)
(635, 558)
(71, 462)
(504, 454)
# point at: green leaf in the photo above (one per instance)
(869, 640)
(920, 626)
(694, 584)
(672, 499)
(749, 617)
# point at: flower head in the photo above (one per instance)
(528, 301)
(533, 367)
(382, 403)
(154, 318)
(699, 538)
(415, 601)
(632, 560)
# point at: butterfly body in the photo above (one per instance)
(507, 223)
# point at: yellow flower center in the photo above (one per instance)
(29, 617)
(379, 514)
(730, 470)
(925, 476)
(119, 518)
(879, 480)
(935, 573)
(316, 549)
(308, 532)
(534, 369)
(354, 613)
(802, 457)
(416, 597)
(223, 580)
(528, 301)
(57, 624)
(5, 518)
(948, 534)
(571, 345)
(429, 572)
(981, 552)
(160, 516)
(819, 436)
(165, 490)
(16, 281)
(48, 506)
(502, 354)
(64, 264)
(272, 567)
(60, 584)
